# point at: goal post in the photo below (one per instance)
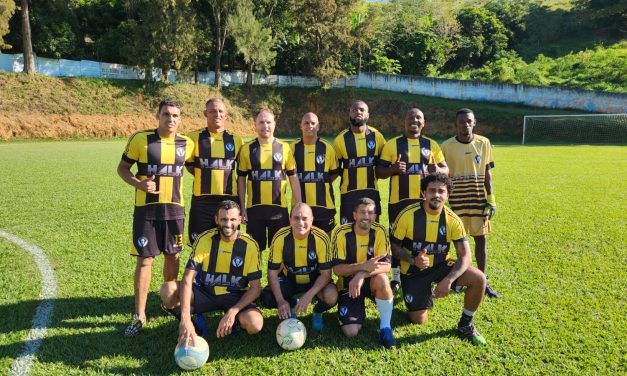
(575, 129)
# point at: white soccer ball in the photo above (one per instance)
(194, 357)
(291, 334)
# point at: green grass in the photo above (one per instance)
(557, 257)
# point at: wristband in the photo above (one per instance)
(491, 200)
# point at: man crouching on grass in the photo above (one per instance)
(421, 238)
(228, 264)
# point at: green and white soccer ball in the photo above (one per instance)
(291, 334)
(194, 357)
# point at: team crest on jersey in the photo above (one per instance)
(477, 159)
(237, 262)
(311, 255)
(142, 241)
(194, 236)
(343, 220)
(320, 159)
(409, 298)
(370, 251)
(342, 311)
(425, 153)
(442, 230)
(371, 144)
(278, 157)
(180, 152)
(229, 147)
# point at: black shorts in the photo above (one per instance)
(152, 237)
(417, 289)
(266, 218)
(202, 214)
(205, 302)
(348, 201)
(289, 288)
(353, 310)
(324, 218)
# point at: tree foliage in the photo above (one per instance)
(7, 8)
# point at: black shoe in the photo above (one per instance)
(471, 334)
(490, 292)
(176, 312)
(396, 286)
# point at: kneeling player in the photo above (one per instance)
(300, 262)
(421, 239)
(228, 263)
(362, 261)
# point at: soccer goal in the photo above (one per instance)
(575, 129)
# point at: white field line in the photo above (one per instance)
(23, 363)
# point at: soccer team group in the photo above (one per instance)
(245, 183)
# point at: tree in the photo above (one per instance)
(220, 11)
(164, 36)
(252, 39)
(29, 57)
(7, 8)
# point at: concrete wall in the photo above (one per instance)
(547, 97)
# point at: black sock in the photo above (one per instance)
(321, 307)
(465, 320)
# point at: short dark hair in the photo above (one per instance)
(408, 110)
(438, 177)
(227, 205)
(462, 111)
(363, 201)
(169, 103)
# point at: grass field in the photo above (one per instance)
(557, 257)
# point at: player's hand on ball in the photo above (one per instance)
(303, 303)
(284, 310)
(489, 211)
(187, 333)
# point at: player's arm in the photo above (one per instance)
(225, 326)
(323, 279)
(241, 194)
(186, 327)
(490, 208)
(295, 185)
(389, 163)
(148, 185)
(464, 259)
(374, 266)
(275, 286)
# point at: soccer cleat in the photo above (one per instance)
(459, 289)
(396, 286)
(317, 322)
(387, 338)
(135, 326)
(490, 292)
(471, 334)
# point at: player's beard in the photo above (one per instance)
(435, 205)
(227, 231)
(358, 122)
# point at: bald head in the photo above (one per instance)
(309, 126)
(301, 220)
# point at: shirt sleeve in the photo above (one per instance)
(290, 162)
(339, 248)
(275, 259)
(200, 251)
(254, 263)
(380, 141)
(398, 230)
(132, 151)
(382, 244)
(488, 157)
(436, 151)
(456, 230)
(243, 161)
(332, 161)
(387, 155)
(325, 262)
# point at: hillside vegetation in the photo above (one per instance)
(48, 107)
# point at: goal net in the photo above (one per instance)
(575, 129)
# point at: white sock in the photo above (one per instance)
(385, 312)
(396, 274)
(468, 313)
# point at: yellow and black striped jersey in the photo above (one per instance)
(350, 248)
(163, 158)
(224, 267)
(314, 165)
(415, 230)
(214, 163)
(417, 154)
(266, 167)
(357, 154)
(467, 163)
(300, 260)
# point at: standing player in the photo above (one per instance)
(357, 150)
(213, 168)
(228, 264)
(406, 159)
(470, 159)
(317, 169)
(159, 214)
(263, 166)
(421, 239)
(361, 262)
(300, 262)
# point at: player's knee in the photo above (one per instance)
(476, 277)
(351, 330)
(145, 262)
(329, 295)
(252, 322)
(380, 286)
(418, 317)
(169, 293)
